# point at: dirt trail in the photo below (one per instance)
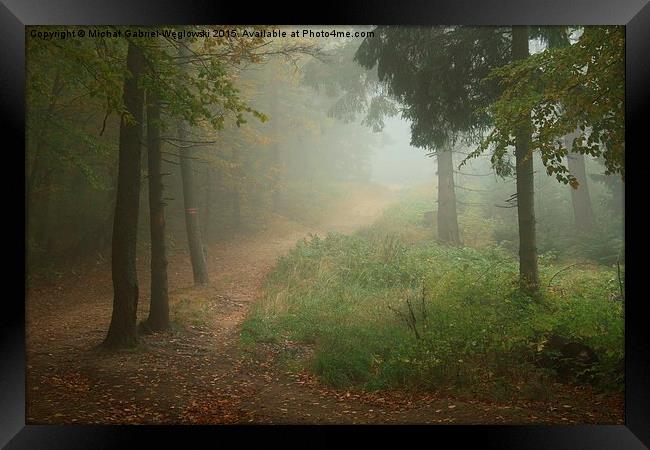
(198, 373)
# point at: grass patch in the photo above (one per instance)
(388, 307)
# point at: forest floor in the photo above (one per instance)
(199, 373)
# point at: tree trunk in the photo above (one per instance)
(199, 265)
(192, 222)
(582, 211)
(122, 331)
(159, 306)
(447, 217)
(528, 273)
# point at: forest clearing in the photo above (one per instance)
(394, 225)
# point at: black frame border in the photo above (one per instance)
(634, 14)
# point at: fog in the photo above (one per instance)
(381, 210)
(396, 162)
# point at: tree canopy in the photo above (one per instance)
(581, 86)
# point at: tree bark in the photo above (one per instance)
(194, 240)
(190, 198)
(159, 305)
(580, 198)
(447, 217)
(582, 211)
(122, 331)
(528, 271)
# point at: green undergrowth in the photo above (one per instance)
(388, 307)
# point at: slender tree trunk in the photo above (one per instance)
(528, 271)
(159, 307)
(190, 198)
(194, 240)
(447, 217)
(582, 210)
(122, 331)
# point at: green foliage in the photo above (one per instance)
(194, 81)
(75, 105)
(356, 90)
(577, 87)
(436, 76)
(384, 308)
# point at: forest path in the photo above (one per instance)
(173, 377)
(198, 373)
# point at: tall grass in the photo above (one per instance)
(389, 307)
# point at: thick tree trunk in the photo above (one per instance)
(528, 271)
(582, 210)
(159, 306)
(122, 331)
(447, 217)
